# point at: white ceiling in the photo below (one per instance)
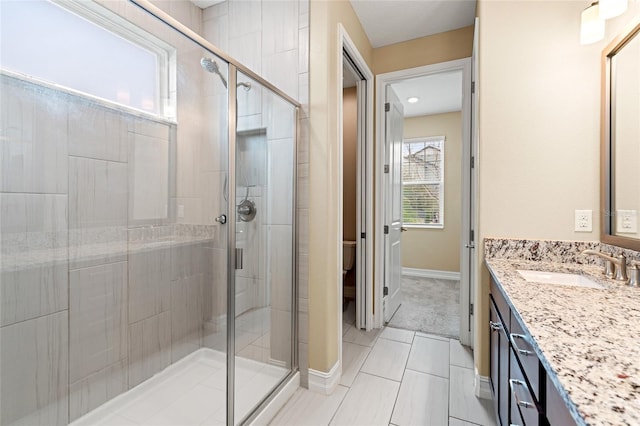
(203, 4)
(393, 21)
(437, 93)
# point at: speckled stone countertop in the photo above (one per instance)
(587, 339)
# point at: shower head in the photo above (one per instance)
(212, 66)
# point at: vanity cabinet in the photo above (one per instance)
(499, 343)
(522, 392)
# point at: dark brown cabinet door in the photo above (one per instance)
(499, 365)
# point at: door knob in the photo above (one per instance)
(222, 219)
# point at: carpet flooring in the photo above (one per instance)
(429, 305)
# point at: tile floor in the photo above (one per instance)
(395, 377)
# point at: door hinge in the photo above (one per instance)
(473, 162)
(387, 107)
(473, 87)
(386, 168)
(385, 291)
(471, 309)
(386, 229)
(472, 235)
(363, 235)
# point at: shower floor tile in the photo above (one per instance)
(189, 392)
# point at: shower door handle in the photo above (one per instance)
(238, 258)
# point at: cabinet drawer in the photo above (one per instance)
(522, 403)
(501, 305)
(521, 343)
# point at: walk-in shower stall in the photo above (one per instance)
(147, 199)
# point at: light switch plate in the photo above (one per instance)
(584, 221)
(627, 221)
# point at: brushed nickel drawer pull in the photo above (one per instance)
(513, 337)
(495, 326)
(520, 402)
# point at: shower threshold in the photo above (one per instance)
(190, 392)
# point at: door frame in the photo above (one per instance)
(365, 178)
(382, 80)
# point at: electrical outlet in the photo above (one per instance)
(627, 221)
(583, 221)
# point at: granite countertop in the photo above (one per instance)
(587, 339)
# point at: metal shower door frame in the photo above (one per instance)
(234, 67)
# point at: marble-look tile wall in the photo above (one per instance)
(93, 300)
(272, 39)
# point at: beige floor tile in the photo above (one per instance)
(309, 408)
(361, 337)
(457, 422)
(353, 356)
(387, 359)
(462, 356)
(422, 400)
(369, 401)
(463, 403)
(431, 336)
(430, 356)
(397, 334)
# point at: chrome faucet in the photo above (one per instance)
(619, 261)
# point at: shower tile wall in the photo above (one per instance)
(272, 38)
(92, 300)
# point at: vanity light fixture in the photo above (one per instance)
(413, 99)
(612, 8)
(591, 24)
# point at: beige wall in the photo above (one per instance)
(539, 127)
(349, 163)
(325, 265)
(428, 50)
(438, 249)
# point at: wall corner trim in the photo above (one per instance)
(431, 273)
(325, 382)
(481, 386)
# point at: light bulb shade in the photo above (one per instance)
(591, 26)
(612, 8)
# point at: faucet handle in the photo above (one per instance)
(609, 269)
(634, 276)
(621, 268)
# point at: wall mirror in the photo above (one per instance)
(620, 140)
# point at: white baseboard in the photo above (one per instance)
(482, 387)
(325, 382)
(431, 273)
(272, 408)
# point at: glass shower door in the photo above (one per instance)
(265, 249)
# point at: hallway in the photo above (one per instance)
(395, 377)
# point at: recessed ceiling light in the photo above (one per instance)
(413, 100)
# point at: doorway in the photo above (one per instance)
(356, 295)
(430, 188)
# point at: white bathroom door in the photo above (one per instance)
(394, 121)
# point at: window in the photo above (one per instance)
(423, 182)
(88, 49)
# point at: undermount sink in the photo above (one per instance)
(559, 278)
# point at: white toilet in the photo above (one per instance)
(348, 256)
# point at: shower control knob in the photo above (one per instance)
(222, 219)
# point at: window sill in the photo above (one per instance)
(416, 226)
